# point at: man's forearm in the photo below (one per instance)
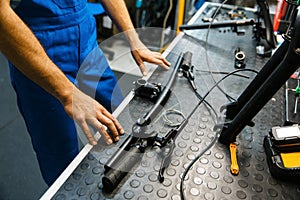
(118, 12)
(22, 48)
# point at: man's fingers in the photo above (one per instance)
(141, 55)
(115, 122)
(102, 130)
(160, 62)
(159, 57)
(166, 61)
(143, 68)
(112, 124)
(118, 126)
(87, 132)
(141, 65)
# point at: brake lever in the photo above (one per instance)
(166, 159)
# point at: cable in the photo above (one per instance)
(206, 51)
(165, 24)
(215, 138)
(177, 112)
(210, 71)
(207, 105)
(221, 72)
(168, 121)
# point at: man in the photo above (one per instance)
(46, 43)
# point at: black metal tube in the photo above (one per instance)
(260, 78)
(270, 37)
(233, 108)
(130, 152)
(228, 23)
(288, 66)
(163, 97)
(111, 163)
(187, 61)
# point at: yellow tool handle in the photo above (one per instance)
(234, 168)
(180, 14)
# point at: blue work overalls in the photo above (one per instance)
(67, 32)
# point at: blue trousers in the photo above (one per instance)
(73, 48)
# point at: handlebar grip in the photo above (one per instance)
(114, 176)
(125, 146)
(187, 61)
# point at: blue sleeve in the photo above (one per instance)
(14, 3)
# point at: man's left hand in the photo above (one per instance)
(142, 54)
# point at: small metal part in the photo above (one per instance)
(207, 19)
(187, 69)
(260, 50)
(296, 106)
(233, 14)
(239, 59)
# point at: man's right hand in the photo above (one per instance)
(86, 111)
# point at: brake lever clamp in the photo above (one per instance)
(144, 89)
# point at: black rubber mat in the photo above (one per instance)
(210, 177)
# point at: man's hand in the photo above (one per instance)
(141, 53)
(87, 111)
(117, 10)
(22, 48)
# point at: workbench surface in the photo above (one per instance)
(210, 177)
